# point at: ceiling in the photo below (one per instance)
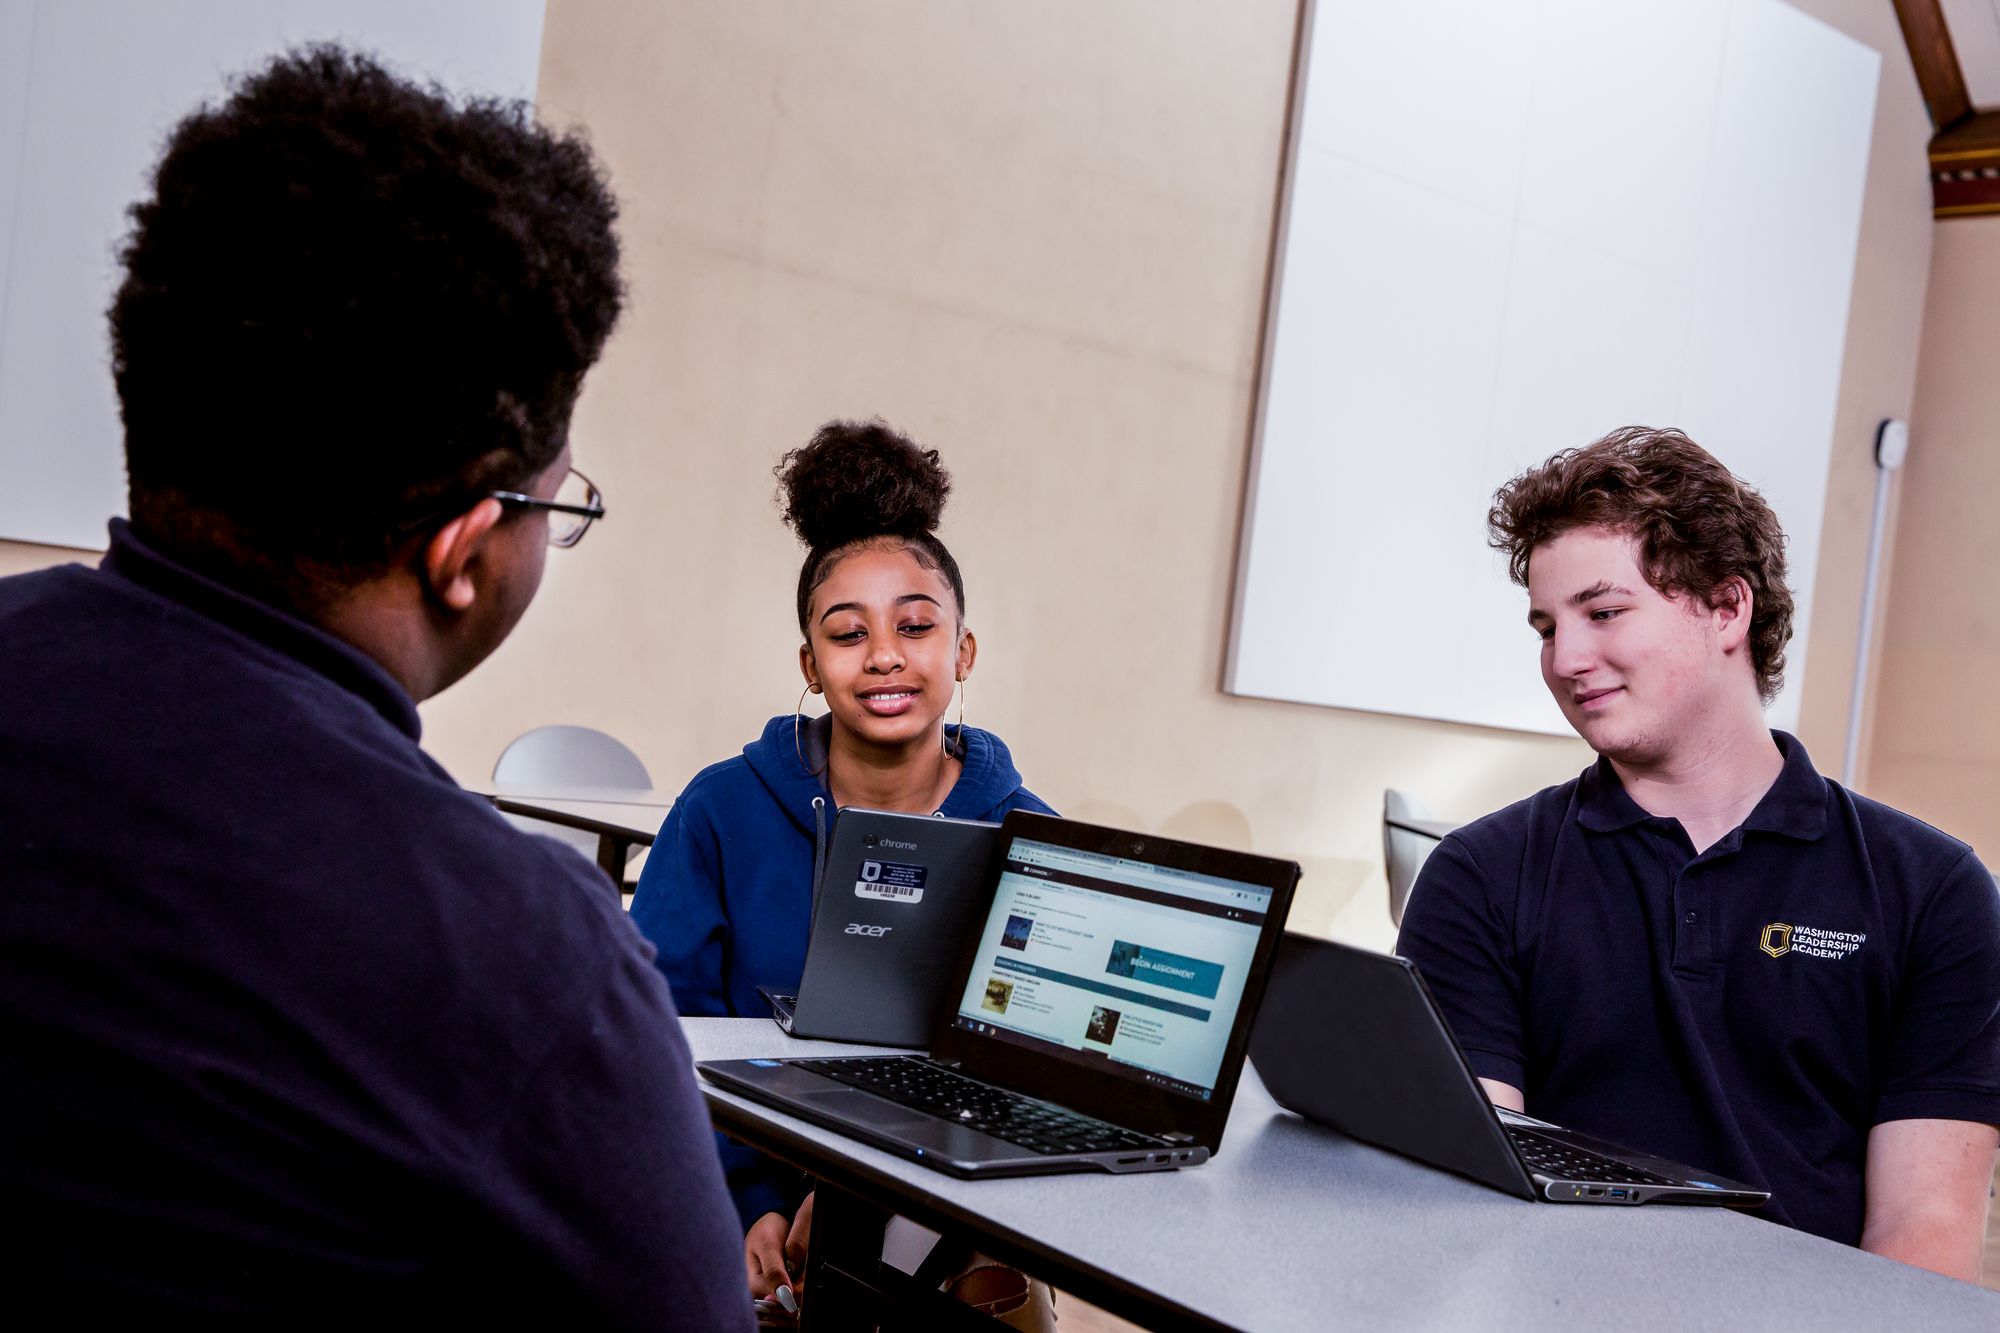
(1975, 33)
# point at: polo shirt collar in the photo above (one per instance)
(338, 661)
(1794, 807)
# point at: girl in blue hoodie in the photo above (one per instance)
(727, 889)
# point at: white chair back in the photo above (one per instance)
(565, 756)
(549, 760)
(1404, 850)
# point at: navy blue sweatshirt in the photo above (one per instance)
(726, 894)
(293, 1031)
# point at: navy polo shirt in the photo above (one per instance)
(1753, 1010)
(293, 1031)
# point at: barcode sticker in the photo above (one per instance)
(890, 882)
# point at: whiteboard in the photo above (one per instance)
(89, 90)
(1507, 230)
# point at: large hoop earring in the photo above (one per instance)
(944, 741)
(798, 715)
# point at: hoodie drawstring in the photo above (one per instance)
(819, 856)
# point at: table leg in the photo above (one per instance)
(611, 860)
(850, 1290)
(846, 1249)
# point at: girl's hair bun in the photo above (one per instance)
(859, 479)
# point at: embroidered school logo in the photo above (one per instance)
(1780, 939)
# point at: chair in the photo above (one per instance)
(562, 756)
(1409, 836)
(549, 761)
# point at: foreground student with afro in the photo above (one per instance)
(293, 1031)
(726, 894)
(1701, 947)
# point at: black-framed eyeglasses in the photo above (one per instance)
(576, 505)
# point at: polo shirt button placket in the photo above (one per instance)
(1683, 943)
(1690, 944)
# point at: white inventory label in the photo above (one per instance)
(890, 882)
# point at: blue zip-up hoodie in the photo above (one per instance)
(726, 895)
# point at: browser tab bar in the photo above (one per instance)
(1187, 883)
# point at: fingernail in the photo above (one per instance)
(789, 1301)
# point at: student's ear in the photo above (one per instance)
(451, 556)
(1730, 610)
(809, 668)
(968, 649)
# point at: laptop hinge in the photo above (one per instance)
(1176, 1136)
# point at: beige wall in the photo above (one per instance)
(21, 557)
(1878, 378)
(1937, 731)
(1037, 236)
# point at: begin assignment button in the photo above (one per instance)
(1101, 988)
(1171, 970)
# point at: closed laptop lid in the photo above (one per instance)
(897, 898)
(1352, 1039)
(1117, 973)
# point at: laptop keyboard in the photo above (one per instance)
(1554, 1158)
(926, 1086)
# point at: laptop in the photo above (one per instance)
(1353, 1039)
(1096, 1018)
(897, 897)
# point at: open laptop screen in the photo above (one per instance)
(1134, 967)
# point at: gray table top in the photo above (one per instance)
(1293, 1226)
(633, 813)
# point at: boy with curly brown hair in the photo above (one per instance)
(1701, 946)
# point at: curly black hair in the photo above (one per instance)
(351, 305)
(861, 481)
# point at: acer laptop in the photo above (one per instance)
(1353, 1039)
(897, 897)
(1096, 1019)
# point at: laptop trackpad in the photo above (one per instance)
(914, 1128)
(865, 1108)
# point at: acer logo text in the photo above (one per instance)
(856, 928)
